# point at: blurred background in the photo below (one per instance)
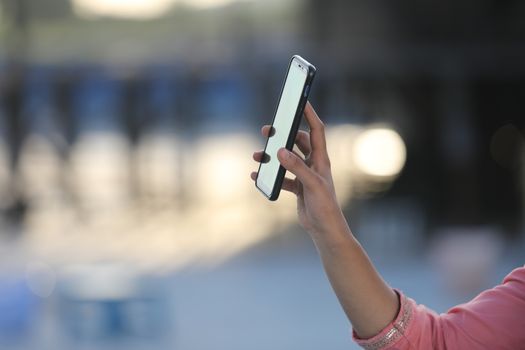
(127, 216)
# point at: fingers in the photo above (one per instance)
(267, 131)
(257, 156)
(294, 164)
(317, 136)
(261, 157)
(288, 184)
(303, 142)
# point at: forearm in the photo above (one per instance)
(369, 303)
(367, 300)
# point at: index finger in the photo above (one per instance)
(317, 136)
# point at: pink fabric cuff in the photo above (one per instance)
(391, 333)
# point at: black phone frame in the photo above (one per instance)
(311, 70)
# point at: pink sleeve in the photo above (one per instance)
(495, 319)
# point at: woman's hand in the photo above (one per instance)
(368, 301)
(317, 207)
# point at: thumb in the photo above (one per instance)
(291, 162)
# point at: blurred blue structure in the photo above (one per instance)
(101, 304)
(224, 100)
(164, 94)
(19, 309)
(97, 102)
(39, 107)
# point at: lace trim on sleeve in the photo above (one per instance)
(393, 331)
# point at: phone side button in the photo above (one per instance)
(306, 90)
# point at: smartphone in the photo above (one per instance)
(286, 120)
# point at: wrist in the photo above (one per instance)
(333, 236)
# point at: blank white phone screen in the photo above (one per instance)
(282, 124)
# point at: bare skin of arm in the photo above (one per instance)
(369, 303)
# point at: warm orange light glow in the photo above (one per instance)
(221, 164)
(138, 9)
(379, 152)
(204, 4)
(133, 9)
